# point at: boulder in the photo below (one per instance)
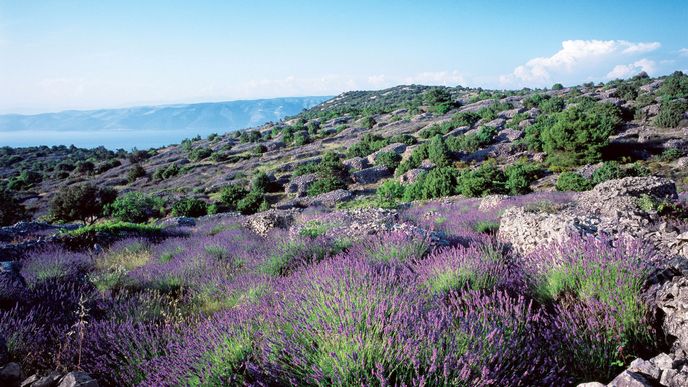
(10, 375)
(591, 384)
(629, 379)
(78, 379)
(262, 222)
(411, 175)
(4, 352)
(672, 299)
(356, 163)
(497, 123)
(491, 201)
(397, 148)
(330, 199)
(299, 184)
(509, 135)
(12, 285)
(508, 114)
(49, 380)
(274, 145)
(371, 175)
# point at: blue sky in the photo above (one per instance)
(95, 54)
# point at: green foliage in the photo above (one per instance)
(437, 96)
(520, 175)
(438, 152)
(486, 227)
(557, 86)
(164, 173)
(369, 143)
(674, 86)
(609, 170)
(189, 207)
(579, 133)
(84, 202)
(231, 195)
(437, 183)
(390, 160)
(552, 105)
(571, 181)
(259, 149)
(389, 192)
(249, 136)
(25, 180)
(465, 118)
(485, 180)
(301, 139)
(324, 185)
(115, 228)
(251, 203)
(314, 229)
(474, 141)
(671, 113)
(305, 169)
(670, 154)
(11, 211)
(136, 207)
(261, 182)
(200, 153)
(368, 122)
(135, 172)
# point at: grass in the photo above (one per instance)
(116, 228)
(457, 279)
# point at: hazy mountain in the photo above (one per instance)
(145, 126)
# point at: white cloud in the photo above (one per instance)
(625, 71)
(574, 56)
(683, 52)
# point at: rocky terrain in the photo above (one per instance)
(410, 236)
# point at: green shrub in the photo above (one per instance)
(389, 192)
(520, 175)
(261, 182)
(671, 113)
(259, 149)
(486, 227)
(231, 195)
(368, 122)
(608, 171)
(135, 172)
(437, 183)
(465, 118)
(390, 160)
(474, 141)
(116, 227)
(199, 154)
(301, 139)
(552, 105)
(557, 86)
(670, 154)
(674, 86)
(11, 211)
(369, 143)
(438, 152)
(485, 180)
(579, 133)
(189, 207)
(324, 185)
(251, 203)
(83, 202)
(136, 207)
(571, 181)
(437, 96)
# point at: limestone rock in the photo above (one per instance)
(371, 175)
(299, 184)
(78, 379)
(10, 375)
(629, 379)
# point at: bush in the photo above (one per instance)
(84, 203)
(670, 154)
(579, 133)
(389, 192)
(261, 182)
(369, 143)
(11, 211)
(199, 154)
(231, 195)
(671, 113)
(171, 170)
(136, 207)
(472, 142)
(251, 203)
(485, 180)
(437, 183)
(674, 86)
(557, 86)
(438, 152)
(189, 207)
(571, 181)
(135, 172)
(324, 185)
(609, 170)
(390, 160)
(520, 175)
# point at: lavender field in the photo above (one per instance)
(438, 300)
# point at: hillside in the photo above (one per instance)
(414, 236)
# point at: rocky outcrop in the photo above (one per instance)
(330, 199)
(299, 184)
(611, 208)
(13, 288)
(370, 175)
(356, 163)
(411, 176)
(397, 148)
(77, 379)
(262, 222)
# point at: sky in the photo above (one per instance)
(58, 55)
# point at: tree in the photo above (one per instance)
(484, 180)
(135, 172)
(190, 207)
(11, 211)
(136, 207)
(571, 181)
(438, 152)
(84, 202)
(230, 196)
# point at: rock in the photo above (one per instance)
(179, 221)
(331, 198)
(629, 379)
(300, 184)
(525, 123)
(4, 352)
(663, 361)
(262, 222)
(681, 162)
(49, 380)
(591, 384)
(508, 114)
(497, 123)
(659, 187)
(491, 201)
(356, 163)
(274, 145)
(645, 368)
(509, 135)
(370, 175)
(411, 175)
(10, 375)
(78, 379)
(12, 285)
(458, 131)
(397, 148)
(672, 299)
(652, 86)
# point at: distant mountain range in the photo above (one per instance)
(216, 116)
